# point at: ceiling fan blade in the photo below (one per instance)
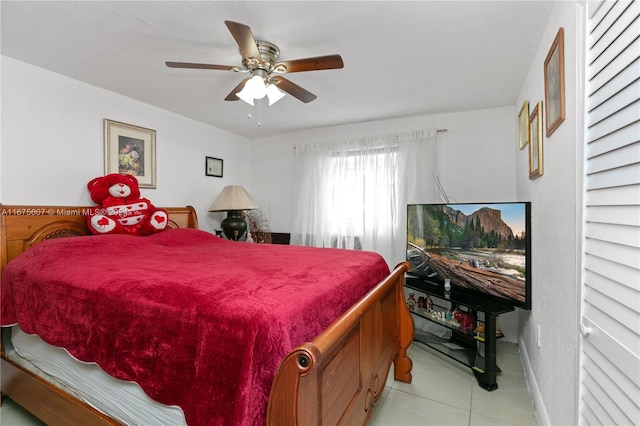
(201, 66)
(247, 44)
(328, 62)
(232, 95)
(293, 89)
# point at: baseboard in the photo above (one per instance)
(538, 403)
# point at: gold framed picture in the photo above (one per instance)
(131, 150)
(523, 125)
(554, 83)
(535, 142)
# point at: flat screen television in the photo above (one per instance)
(482, 248)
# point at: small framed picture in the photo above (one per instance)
(535, 142)
(213, 166)
(523, 125)
(131, 150)
(554, 83)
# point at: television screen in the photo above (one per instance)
(481, 247)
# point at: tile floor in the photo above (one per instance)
(443, 392)
(11, 414)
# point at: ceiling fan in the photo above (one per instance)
(260, 59)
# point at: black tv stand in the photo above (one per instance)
(481, 358)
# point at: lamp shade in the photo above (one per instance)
(253, 89)
(233, 197)
(274, 94)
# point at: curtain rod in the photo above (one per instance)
(424, 130)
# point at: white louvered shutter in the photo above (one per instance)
(610, 343)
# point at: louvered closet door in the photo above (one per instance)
(610, 344)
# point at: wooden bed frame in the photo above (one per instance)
(334, 379)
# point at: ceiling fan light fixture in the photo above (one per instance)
(255, 88)
(274, 94)
(245, 96)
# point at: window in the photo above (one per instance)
(351, 193)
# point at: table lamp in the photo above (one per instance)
(233, 199)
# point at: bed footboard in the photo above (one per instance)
(338, 377)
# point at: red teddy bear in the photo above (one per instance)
(121, 210)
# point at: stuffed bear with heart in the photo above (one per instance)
(120, 209)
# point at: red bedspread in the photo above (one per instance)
(197, 321)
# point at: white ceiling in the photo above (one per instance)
(400, 58)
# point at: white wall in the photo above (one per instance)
(52, 144)
(555, 198)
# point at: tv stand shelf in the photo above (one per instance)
(480, 358)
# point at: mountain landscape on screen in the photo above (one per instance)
(480, 247)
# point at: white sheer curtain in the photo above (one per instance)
(353, 193)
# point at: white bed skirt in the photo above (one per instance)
(124, 401)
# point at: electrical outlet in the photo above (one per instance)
(539, 336)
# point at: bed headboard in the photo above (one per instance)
(23, 226)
